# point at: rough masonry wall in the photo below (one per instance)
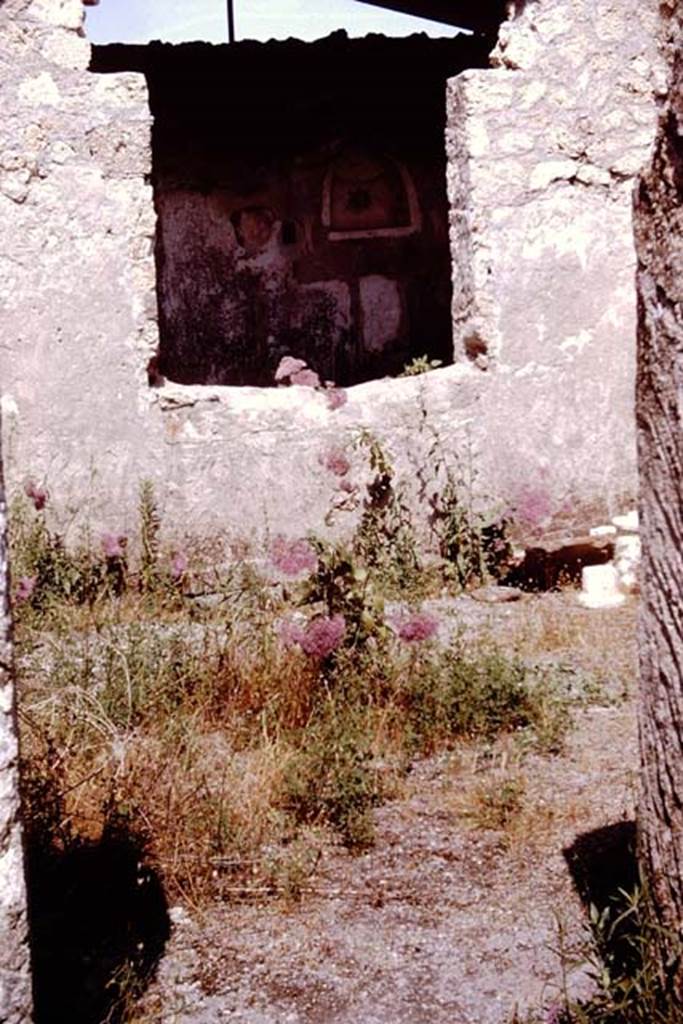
(78, 327)
(544, 300)
(15, 973)
(76, 269)
(543, 151)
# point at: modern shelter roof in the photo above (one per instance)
(477, 15)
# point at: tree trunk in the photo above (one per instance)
(15, 977)
(659, 408)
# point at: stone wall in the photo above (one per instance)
(541, 152)
(76, 268)
(15, 976)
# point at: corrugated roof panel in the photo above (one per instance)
(478, 15)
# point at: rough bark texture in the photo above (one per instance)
(659, 238)
(15, 977)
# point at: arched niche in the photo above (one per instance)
(368, 195)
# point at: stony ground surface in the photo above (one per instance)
(443, 921)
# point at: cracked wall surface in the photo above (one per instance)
(541, 153)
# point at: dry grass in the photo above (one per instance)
(219, 746)
(602, 644)
(235, 760)
(190, 723)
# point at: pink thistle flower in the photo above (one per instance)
(292, 556)
(25, 587)
(336, 461)
(114, 545)
(289, 633)
(336, 398)
(287, 366)
(322, 636)
(347, 486)
(418, 627)
(305, 378)
(179, 564)
(38, 495)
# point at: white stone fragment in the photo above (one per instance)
(600, 587)
(628, 547)
(627, 556)
(552, 170)
(606, 530)
(627, 523)
(590, 175)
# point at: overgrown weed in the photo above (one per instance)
(230, 714)
(497, 801)
(472, 535)
(623, 966)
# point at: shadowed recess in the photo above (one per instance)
(300, 190)
(98, 920)
(604, 870)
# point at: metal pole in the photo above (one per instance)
(231, 21)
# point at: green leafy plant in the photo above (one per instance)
(473, 543)
(385, 540)
(150, 526)
(471, 535)
(332, 780)
(497, 801)
(420, 365)
(476, 694)
(46, 570)
(625, 968)
(343, 586)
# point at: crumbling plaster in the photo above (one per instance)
(260, 251)
(541, 150)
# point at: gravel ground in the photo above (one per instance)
(442, 921)
(439, 923)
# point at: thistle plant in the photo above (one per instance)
(150, 527)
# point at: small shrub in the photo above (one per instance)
(47, 572)
(288, 868)
(150, 527)
(625, 969)
(420, 365)
(473, 543)
(385, 540)
(332, 780)
(344, 588)
(470, 695)
(496, 802)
